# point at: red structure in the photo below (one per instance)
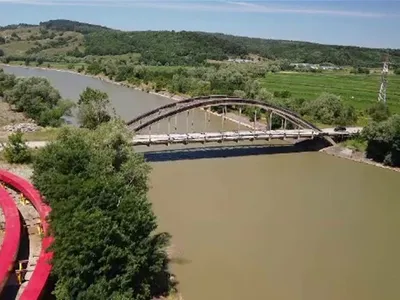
(37, 284)
(12, 236)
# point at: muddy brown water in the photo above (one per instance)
(276, 226)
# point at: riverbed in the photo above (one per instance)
(275, 226)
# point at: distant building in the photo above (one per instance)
(314, 66)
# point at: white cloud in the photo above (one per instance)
(219, 6)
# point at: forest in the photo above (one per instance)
(195, 48)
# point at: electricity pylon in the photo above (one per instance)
(384, 81)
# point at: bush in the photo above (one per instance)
(37, 99)
(360, 70)
(94, 108)
(329, 109)
(16, 151)
(7, 82)
(384, 141)
(379, 112)
(104, 228)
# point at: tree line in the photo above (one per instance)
(194, 48)
(226, 79)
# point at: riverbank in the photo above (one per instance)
(357, 156)
(240, 120)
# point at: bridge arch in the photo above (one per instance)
(171, 109)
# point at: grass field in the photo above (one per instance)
(19, 47)
(359, 90)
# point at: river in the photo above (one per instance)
(284, 226)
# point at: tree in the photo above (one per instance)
(16, 151)
(252, 88)
(383, 141)
(265, 95)
(329, 109)
(94, 108)
(104, 228)
(239, 94)
(397, 71)
(2, 40)
(39, 61)
(7, 82)
(37, 99)
(379, 112)
(1, 52)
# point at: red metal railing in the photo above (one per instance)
(12, 236)
(37, 283)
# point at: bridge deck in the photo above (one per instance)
(207, 137)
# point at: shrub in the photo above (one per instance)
(384, 141)
(16, 150)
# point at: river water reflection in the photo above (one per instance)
(281, 226)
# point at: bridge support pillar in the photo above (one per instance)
(270, 120)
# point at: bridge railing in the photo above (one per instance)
(12, 237)
(37, 283)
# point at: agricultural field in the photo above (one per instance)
(359, 90)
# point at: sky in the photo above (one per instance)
(357, 22)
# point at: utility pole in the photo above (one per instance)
(384, 81)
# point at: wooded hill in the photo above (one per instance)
(191, 48)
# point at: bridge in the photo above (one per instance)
(236, 136)
(268, 122)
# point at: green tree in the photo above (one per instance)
(383, 141)
(105, 242)
(252, 88)
(37, 99)
(379, 112)
(16, 151)
(94, 108)
(1, 52)
(264, 95)
(7, 82)
(239, 94)
(39, 61)
(329, 109)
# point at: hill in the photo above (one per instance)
(55, 38)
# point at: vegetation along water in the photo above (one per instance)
(287, 224)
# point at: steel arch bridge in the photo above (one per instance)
(167, 111)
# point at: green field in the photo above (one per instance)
(359, 90)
